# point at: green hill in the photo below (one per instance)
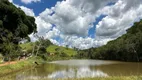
(55, 48)
(51, 48)
(27, 46)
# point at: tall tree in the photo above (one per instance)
(14, 22)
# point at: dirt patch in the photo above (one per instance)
(8, 63)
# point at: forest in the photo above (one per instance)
(125, 48)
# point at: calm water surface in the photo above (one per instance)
(79, 69)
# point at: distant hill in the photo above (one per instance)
(128, 47)
(27, 46)
(51, 49)
(55, 48)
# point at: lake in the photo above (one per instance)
(79, 69)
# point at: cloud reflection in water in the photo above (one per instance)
(80, 72)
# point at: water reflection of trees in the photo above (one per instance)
(124, 69)
(66, 71)
(77, 72)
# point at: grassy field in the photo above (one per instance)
(22, 64)
(52, 49)
(4, 70)
(27, 46)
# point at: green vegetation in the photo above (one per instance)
(54, 49)
(15, 26)
(50, 52)
(27, 46)
(125, 48)
(19, 65)
(50, 48)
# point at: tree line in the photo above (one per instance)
(128, 47)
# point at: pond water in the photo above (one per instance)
(79, 69)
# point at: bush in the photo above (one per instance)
(63, 54)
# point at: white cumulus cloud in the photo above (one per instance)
(119, 18)
(10, 0)
(27, 11)
(29, 1)
(70, 20)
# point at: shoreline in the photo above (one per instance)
(29, 63)
(23, 64)
(18, 66)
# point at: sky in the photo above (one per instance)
(81, 23)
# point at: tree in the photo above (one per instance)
(39, 47)
(9, 47)
(15, 25)
(125, 48)
(15, 21)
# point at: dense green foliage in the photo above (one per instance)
(48, 50)
(125, 48)
(37, 48)
(15, 26)
(15, 20)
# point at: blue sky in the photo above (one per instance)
(71, 20)
(39, 6)
(92, 30)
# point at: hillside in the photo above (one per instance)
(27, 46)
(51, 48)
(55, 48)
(125, 48)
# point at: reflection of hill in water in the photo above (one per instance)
(122, 69)
(64, 72)
(84, 62)
(80, 72)
(81, 69)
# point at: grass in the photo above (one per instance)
(13, 67)
(105, 78)
(22, 64)
(109, 78)
(1, 58)
(112, 78)
(97, 78)
(51, 48)
(10, 69)
(27, 46)
(4, 70)
(68, 51)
